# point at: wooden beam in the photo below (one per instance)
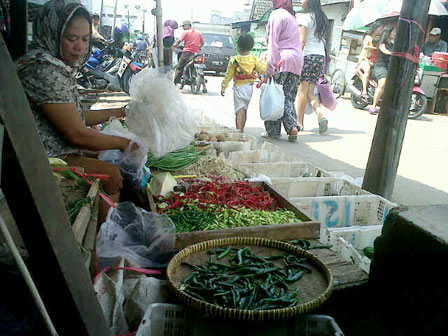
(55, 261)
(18, 42)
(385, 152)
(82, 220)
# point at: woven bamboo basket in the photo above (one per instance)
(314, 289)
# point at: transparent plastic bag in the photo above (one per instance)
(158, 114)
(144, 238)
(272, 101)
(131, 162)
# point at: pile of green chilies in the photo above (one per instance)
(247, 281)
(176, 160)
(202, 217)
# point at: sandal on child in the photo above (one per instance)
(373, 111)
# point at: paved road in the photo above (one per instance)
(345, 148)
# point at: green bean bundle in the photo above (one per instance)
(176, 160)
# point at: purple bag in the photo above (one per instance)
(327, 97)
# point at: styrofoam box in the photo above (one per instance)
(314, 187)
(345, 211)
(253, 156)
(350, 253)
(162, 319)
(358, 236)
(283, 169)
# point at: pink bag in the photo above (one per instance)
(326, 94)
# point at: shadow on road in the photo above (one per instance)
(407, 191)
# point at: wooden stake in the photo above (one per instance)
(387, 142)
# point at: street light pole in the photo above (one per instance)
(115, 16)
(387, 143)
(158, 13)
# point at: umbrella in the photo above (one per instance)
(365, 13)
(436, 8)
(369, 11)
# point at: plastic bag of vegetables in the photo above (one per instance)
(130, 162)
(158, 114)
(144, 238)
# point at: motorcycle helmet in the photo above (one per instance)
(121, 28)
(140, 37)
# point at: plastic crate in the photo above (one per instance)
(349, 253)
(254, 156)
(236, 142)
(358, 236)
(315, 187)
(283, 169)
(266, 146)
(163, 319)
(345, 211)
(316, 325)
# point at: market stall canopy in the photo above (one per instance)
(369, 11)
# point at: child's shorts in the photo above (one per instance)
(242, 95)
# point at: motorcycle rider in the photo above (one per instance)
(121, 35)
(365, 63)
(385, 47)
(97, 39)
(193, 44)
(140, 46)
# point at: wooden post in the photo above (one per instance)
(55, 261)
(387, 142)
(18, 42)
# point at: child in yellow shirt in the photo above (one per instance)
(242, 69)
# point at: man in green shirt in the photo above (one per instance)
(434, 44)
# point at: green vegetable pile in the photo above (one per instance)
(203, 217)
(247, 281)
(215, 203)
(176, 160)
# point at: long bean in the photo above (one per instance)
(176, 160)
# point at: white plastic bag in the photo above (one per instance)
(145, 238)
(272, 101)
(158, 114)
(125, 295)
(131, 162)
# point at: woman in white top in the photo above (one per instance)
(313, 28)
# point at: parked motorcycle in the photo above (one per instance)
(418, 103)
(193, 74)
(108, 69)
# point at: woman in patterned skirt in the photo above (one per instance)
(313, 28)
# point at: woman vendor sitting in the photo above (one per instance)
(62, 41)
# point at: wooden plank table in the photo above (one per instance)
(346, 274)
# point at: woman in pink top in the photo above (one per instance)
(283, 38)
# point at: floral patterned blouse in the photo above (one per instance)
(47, 80)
